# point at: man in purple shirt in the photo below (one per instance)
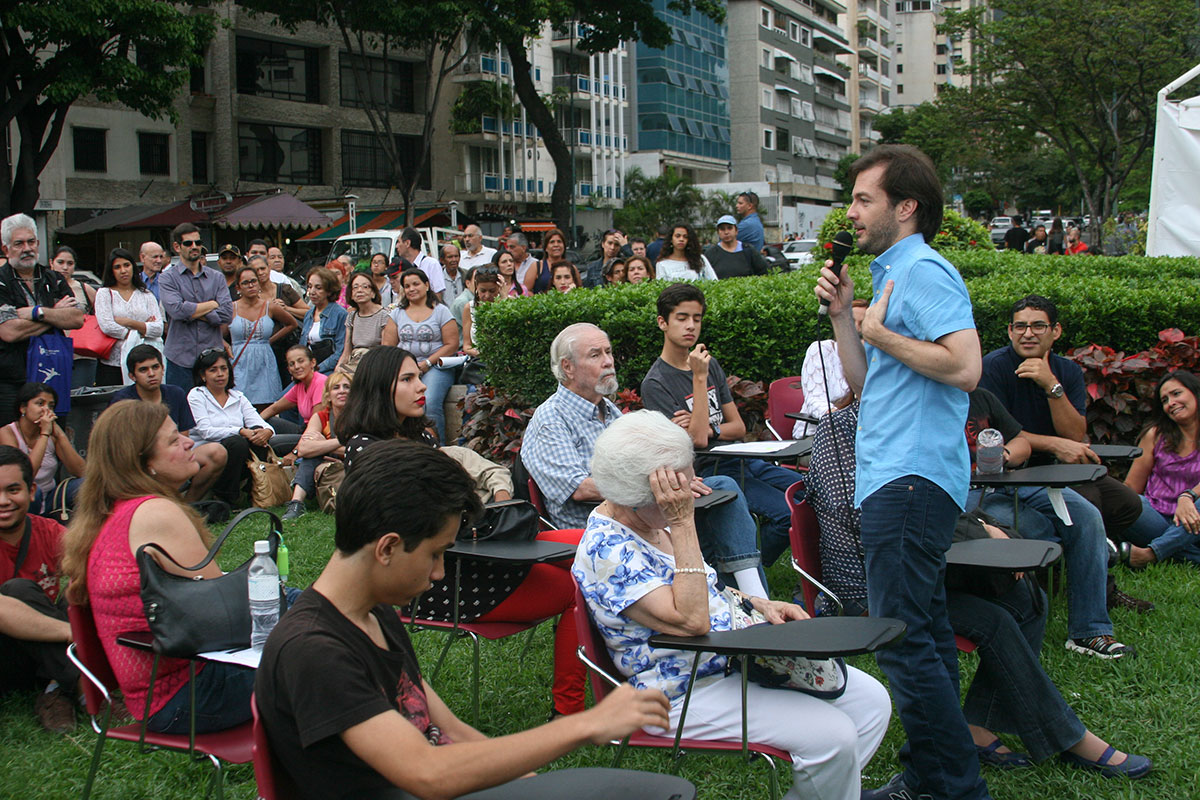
(197, 304)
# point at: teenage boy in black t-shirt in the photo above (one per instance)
(339, 688)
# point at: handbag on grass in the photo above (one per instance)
(328, 478)
(820, 677)
(269, 484)
(190, 615)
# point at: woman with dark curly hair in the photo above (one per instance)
(684, 261)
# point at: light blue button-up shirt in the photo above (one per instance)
(909, 424)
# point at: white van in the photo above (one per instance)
(364, 244)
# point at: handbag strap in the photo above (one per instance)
(249, 338)
(23, 550)
(274, 536)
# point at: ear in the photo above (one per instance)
(906, 208)
(662, 324)
(388, 547)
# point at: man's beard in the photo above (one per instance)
(883, 234)
(607, 384)
(26, 260)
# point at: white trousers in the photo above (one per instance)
(830, 740)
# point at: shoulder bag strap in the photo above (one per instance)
(23, 550)
(274, 536)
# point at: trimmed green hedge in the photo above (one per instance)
(760, 327)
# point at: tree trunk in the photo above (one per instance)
(564, 191)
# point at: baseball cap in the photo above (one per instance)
(728, 219)
(228, 248)
(398, 265)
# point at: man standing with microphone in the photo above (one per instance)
(917, 359)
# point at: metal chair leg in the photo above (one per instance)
(442, 657)
(772, 776)
(218, 778)
(528, 642)
(475, 682)
(97, 753)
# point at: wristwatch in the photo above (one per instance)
(1189, 493)
(1056, 391)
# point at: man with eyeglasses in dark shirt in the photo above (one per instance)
(196, 300)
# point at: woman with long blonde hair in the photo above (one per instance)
(136, 459)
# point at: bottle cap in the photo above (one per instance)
(263, 547)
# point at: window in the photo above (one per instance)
(154, 153)
(940, 49)
(808, 112)
(364, 162)
(899, 69)
(90, 149)
(765, 19)
(941, 69)
(395, 79)
(793, 30)
(806, 73)
(766, 58)
(767, 100)
(781, 139)
(899, 88)
(199, 157)
(797, 108)
(805, 36)
(279, 154)
(768, 138)
(276, 69)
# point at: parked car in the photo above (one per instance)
(799, 252)
(999, 227)
(776, 259)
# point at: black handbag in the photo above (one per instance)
(193, 615)
(321, 349)
(507, 520)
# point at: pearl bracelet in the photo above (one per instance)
(699, 570)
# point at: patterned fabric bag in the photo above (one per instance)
(824, 678)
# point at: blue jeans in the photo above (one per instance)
(179, 375)
(222, 701)
(728, 539)
(907, 526)
(306, 474)
(1084, 550)
(1011, 693)
(437, 385)
(763, 485)
(1159, 532)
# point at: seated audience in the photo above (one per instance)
(256, 326)
(565, 277)
(323, 328)
(367, 325)
(34, 631)
(487, 290)
(561, 437)
(681, 258)
(380, 725)
(319, 443)
(224, 415)
(641, 572)
(729, 257)
(1004, 615)
(388, 403)
(638, 269)
(426, 329)
(136, 458)
(307, 387)
(145, 367)
(825, 391)
(685, 371)
(126, 311)
(1167, 475)
(37, 434)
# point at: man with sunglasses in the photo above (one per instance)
(196, 300)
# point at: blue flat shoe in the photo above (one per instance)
(1132, 767)
(1010, 760)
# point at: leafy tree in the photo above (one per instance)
(665, 200)
(841, 174)
(977, 202)
(1089, 91)
(133, 52)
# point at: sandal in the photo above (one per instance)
(1010, 760)
(1132, 767)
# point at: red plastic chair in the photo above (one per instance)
(805, 535)
(594, 654)
(274, 782)
(784, 396)
(234, 746)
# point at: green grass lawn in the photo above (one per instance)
(1147, 705)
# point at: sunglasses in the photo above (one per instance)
(212, 351)
(487, 270)
(190, 242)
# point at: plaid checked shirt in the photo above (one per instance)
(557, 450)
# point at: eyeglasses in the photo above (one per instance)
(190, 242)
(1037, 327)
(248, 282)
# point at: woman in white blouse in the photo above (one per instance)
(683, 259)
(224, 415)
(126, 311)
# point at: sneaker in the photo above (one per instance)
(1118, 599)
(1105, 647)
(55, 711)
(295, 510)
(895, 789)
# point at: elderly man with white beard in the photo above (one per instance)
(561, 438)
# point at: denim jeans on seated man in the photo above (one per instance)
(1084, 549)
(1159, 532)
(728, 539)
(907, 527)
(763, 484)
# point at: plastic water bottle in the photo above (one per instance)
(989, 452)
(263, 583)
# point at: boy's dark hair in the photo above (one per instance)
(402, 487)
(909, 174)
(11, 455)
(664, 231)
(253, 242)
(143, 352)
(28, 391)
(1037, 303)
(637, 240)
(670, 298)
(205, 360)
(182, 229)
(371, 409)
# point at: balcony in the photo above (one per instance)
(829, 93)
(492, 126)
(820, 59)
(871, 46)
(869, 104)
(566, 37)
(584, 137)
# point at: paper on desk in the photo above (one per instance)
(248, 657)
(757, 448)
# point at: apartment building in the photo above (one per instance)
(870, 32)
(926, 60)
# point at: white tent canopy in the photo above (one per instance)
(1174, 228)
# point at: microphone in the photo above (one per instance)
(843, 243)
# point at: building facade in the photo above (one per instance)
(926, 60)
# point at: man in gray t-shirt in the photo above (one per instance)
(686, 370)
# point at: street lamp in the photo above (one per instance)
(453, 204)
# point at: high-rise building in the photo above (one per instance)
(926, 60)
(869, 30)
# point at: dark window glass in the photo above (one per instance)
(90, 149)
(276, 69)
(364, 162)
(279, 154)
(154, 153)
(199, 157)
(781, 139)
(400, 88)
